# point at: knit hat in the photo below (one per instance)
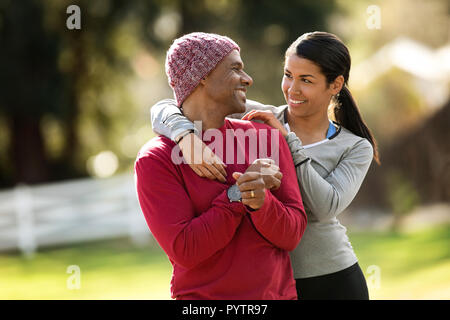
(192, 57)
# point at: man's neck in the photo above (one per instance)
(196, 110)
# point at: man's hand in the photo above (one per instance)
(270, 172)
(252, 187)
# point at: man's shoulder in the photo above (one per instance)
(246, 125)
(157, 147)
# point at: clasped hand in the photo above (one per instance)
(260, 175)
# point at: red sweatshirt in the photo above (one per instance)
(218, 249)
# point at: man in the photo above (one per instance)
(225, 240)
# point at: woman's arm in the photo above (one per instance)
(168, 120)
(327, 197)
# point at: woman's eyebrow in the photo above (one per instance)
(302, 75)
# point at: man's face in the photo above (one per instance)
(227, 84)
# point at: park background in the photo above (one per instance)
(74, 111)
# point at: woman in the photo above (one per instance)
(331, 159)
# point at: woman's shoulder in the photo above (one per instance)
(348, 136)
(353, 143)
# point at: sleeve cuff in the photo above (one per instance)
(296, 148)
(237, 208)
(182, 128)
(265, 206)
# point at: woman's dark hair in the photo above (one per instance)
(333, 58)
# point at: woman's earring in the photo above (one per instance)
(337, 103)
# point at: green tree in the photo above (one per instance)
(31, 85)
(77, 80)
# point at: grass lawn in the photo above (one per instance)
(413, 265)
(407, 266)
(108, 270)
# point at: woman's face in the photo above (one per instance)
(305, 88)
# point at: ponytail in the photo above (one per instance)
(347, 114)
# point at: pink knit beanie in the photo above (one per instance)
(192, 57)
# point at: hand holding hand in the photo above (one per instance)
(270, 172)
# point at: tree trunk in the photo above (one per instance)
(28, 150)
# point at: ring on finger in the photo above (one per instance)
(252, 194)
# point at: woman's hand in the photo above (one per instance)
(270, 172)
(268, 118)
(201, 159)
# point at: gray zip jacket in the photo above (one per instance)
(329, 173)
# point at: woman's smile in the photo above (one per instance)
(296, 103)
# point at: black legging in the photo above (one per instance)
(347, 284)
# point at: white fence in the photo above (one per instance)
(69, 212)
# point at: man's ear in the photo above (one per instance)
(203, 81)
